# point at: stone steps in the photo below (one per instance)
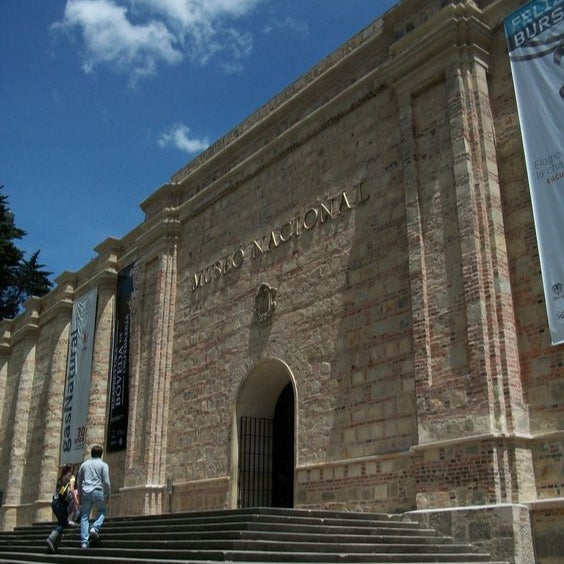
(267, 535)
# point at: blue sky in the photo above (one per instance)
(102, 101)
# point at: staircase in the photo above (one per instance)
(257, 535)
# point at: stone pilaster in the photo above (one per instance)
(492, 340)
(25, 341)
(151, 357)
(470, 405)
(5, 352)
(57, 322)
(465, 347)
(101, 359)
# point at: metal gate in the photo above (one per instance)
(255, 462)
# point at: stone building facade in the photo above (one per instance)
(350, 275)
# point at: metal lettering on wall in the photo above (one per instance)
(332, 208)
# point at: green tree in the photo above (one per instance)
(19, 278)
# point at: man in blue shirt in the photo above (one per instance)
(93, 481)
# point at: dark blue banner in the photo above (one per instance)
(119, 377)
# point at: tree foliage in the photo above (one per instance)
(20, 278)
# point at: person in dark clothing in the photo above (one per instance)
(60, 507)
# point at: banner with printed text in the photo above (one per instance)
(119, 377)
(77, 385)
(535, 36)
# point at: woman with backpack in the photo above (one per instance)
(60, 506)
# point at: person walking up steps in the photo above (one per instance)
(60, 506)
(94, 488)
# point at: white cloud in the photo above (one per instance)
(202, 27)
(178, 136)
(111, 39)
(239, 47)
(192, 14)
(135, 36)
(297, 26)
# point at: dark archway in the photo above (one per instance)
(264, 440)
(283, 450)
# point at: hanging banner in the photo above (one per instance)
(119, 378)
(77, 386)
(535, 35)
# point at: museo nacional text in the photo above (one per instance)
(317, 214)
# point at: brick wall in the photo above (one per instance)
(383, 196)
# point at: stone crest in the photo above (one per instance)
(265, 303)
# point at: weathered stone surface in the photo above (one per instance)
(382, 200)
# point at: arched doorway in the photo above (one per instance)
(264, 440)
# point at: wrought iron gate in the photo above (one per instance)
(255, 462)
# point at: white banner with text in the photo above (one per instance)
(77, 386)
(535, 36)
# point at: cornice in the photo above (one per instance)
(104, 278)
(546, 504)
(109, 253)
(524, 439)
(66, 279)
(6, 328)
(158, 234)
(455, 34)
(109, 250)
(61, 308)
(27, 324)
(167, 196)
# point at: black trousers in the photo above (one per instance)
(61, 511)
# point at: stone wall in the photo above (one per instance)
(547, 531)
(382, 202)
(503, 531)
